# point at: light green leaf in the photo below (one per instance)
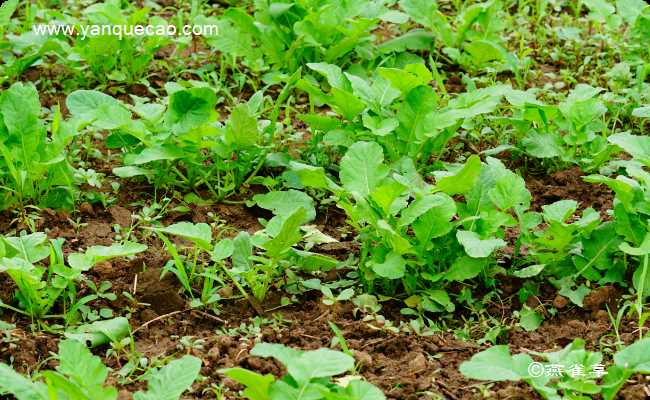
(19, 386)
(362, 168)
(190, 108)
(635, 357)
(101, 332)
(6, 11)
(222, 250)
(242, 129)
(200, 234)
(95, 254)
(285, 203)
(170, 381)
(529, 319)
(475, 246)
(78, 363)
(257, 386)
(465, 268)
(529, 271)
(637, 146)
(321, 363)
(393, 267)
(100, 109)
(496, 364)
(463, 180)
(641, 112)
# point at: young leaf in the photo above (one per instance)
(14, 383)
(200, 234)
(635, 357)
(475, 246)
(393, 267)
(257, 386)
(463, 180)
(529, 319)
(362, 168)
(80, 365)
(190, 108)
(284, 203)
(170, 381)
(496, 364)
(100, 109)
(242, 129)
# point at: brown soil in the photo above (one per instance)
(568, 184)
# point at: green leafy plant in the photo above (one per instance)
(285, 35)
(34, 165)
(570, 373)
(415, 237)
(257, 260)
(572, 132)
(309, 374)
(180, 145)
(80, 375)
(395, 107)
(473, 39)
(39, 287)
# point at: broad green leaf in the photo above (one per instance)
(530, 271)
(6, 11)
(637, 146)
(100, 109)
(79, 364)
(577, 295)
(242, 252)
(475, 246)
(22, 388)
(543, 144)
(435, 222)
(415, 39)
(190, 108)
(496, 364)
(289, 234)
(393, 267)
(635, 357)
(222, 250)
(529, 319)
(310, 176)
(378, 95)
(32, 247)
(95, 254)
(362, 390)
(407, 79)
(321, 363)
(465, 268)
(170, 381)
(641, 112)
(285, 203)
(362, 168)
(510, 191)
(101, 332)
(257, 386)
(20, 108)
(200, 234)
(462, 181)
(131, 171)
(156, 153)
(419, 103)
(416, 209)
(335, 77)
(286, 355)
(242, 129)
(559, 211)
